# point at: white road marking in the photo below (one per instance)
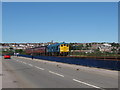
(86, 83)
(39, 68)
(30, 64)
(24, 62)
(56, 73)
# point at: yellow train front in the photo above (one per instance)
(61, 49)
(64, 49)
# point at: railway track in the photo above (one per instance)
(93, 57)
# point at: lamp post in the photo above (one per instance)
(32, 52)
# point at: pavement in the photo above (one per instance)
(21, 72)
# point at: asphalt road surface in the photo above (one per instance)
(20, 72)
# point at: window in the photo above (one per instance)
(62, 45)
(57, 48)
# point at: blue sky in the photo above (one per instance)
(70, 22)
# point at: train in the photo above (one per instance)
(58, 49)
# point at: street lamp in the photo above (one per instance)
(32, 52)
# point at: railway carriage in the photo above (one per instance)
(37, 50)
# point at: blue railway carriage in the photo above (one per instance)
(61, 49)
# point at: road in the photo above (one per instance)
(20, 72)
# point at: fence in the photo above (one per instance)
(106, 64)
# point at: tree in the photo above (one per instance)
(114, 50)
(18, 50)
(115, 44)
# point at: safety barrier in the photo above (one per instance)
(106, 64)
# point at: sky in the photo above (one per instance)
(60, 21)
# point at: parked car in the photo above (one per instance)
(7, 57)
